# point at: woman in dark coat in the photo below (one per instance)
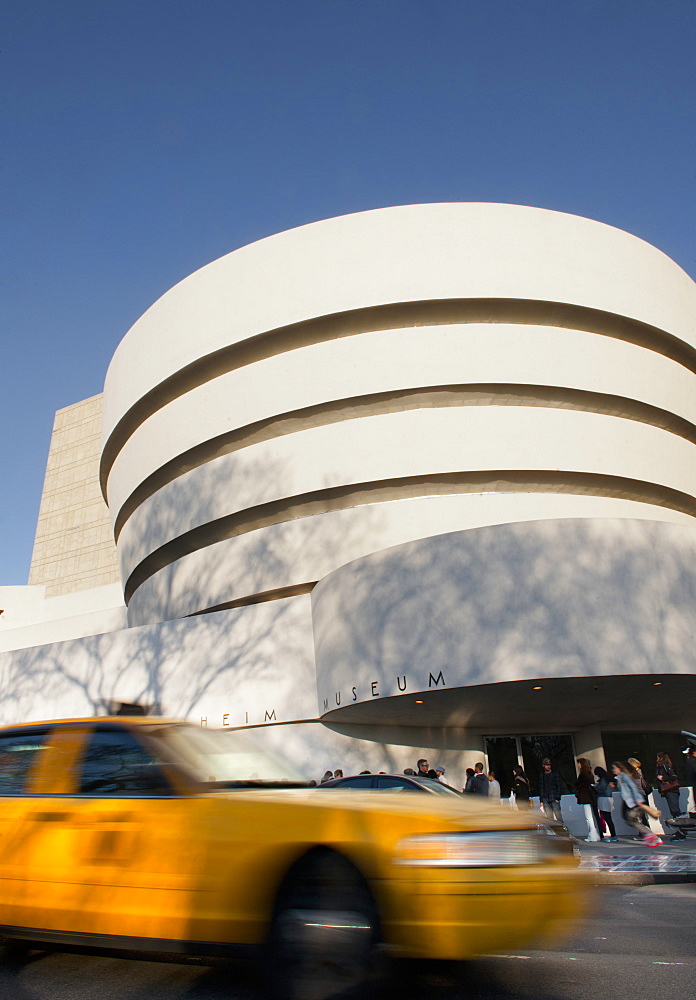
(587, 798)
(666, 775)
(604, 787)
(520, 786)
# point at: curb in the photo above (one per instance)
(599, 877)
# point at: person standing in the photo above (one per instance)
(631, 798)
(586, 797)
(690, 753)
(425, 770)
(493, 787)
(479, 782)
(604, 788)
(469, 778)
(550, 791)
(440, 772)
(668, 786)
(520, 787)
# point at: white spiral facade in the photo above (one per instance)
(415, 482)
(379, 378)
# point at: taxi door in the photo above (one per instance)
(22, 753)
(117, 852)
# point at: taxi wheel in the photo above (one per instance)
(323, 941)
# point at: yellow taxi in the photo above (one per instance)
(141, 833)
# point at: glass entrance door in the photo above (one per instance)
(558, 749)
(504, 752)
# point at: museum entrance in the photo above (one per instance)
(504, 752)
(645, 746)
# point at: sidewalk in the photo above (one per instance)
(630, 862)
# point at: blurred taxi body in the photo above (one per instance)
(147, 834)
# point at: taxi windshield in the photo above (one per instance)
(225, 759)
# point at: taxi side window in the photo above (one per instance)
(18, 755)
(116, 764)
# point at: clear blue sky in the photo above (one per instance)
(142, 139)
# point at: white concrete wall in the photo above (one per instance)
(398, 360)
(315, 749)
(235, 668)
(546, 599)
(260, 473)
(31, 619)
(250, 668)
(398, 446)
(309, 548)
(403, 254)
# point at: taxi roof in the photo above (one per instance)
(87, 720)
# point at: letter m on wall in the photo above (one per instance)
(436, 680)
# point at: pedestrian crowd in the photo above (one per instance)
(594, 792)
(594, 789)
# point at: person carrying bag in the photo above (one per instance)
(632, 804)
(668, 785)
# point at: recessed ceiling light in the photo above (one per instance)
(656, 683)
(538, 687)
(419, 703)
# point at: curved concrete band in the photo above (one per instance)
(491, 629)
(372, 379)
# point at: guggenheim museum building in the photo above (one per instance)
(418, 481)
